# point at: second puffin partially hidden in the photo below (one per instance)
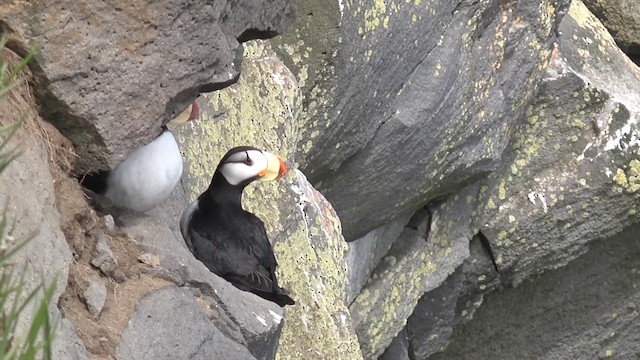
(230, 241)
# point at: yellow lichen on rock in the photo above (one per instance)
(262, 110)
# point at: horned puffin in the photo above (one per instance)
(148, 175)
(229, 240)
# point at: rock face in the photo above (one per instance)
(622, 19)
(569, 178)
(109, 75)
(569, 175)
(409, 74)
(467, 147)
(591, 305)
(431, 324)
(27, 193)
(152, 329)
(365, 253)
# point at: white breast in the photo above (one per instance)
(147, 176)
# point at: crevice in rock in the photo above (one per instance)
(487, 247)
(225, 321)
(211, 87)
(633, 52)
(256, 34)
(422, 219)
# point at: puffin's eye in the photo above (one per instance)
(248, 159)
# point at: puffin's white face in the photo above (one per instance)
(252, 164)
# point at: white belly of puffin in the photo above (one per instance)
(147, 176)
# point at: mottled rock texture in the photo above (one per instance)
(27, 194)
(622, 19)
(409, 100)
(109, 75)
(301, 223)
(466, 146)
(569, 179)
(365, 253)
(586, 310)
(570, 174)
(152, 330)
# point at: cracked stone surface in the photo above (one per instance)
(109, 76)
(440, 80)
(162, 314)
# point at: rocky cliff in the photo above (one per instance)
(466, 176)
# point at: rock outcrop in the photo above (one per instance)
(622, 19)
(466, 147)
(586, 310)
(109, 75)
(413, 99)
(568, 181)
(27, 192)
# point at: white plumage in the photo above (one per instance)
(147, 176)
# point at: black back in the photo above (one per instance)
(233, 243)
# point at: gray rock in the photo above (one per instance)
(110, 75)
(380, 310)
(480, 278)
(109, 224)
(570, 172)
(67, 345)
(398, 349)
(431, 324)
(103, 257)
(240, 315)
(170, 324)
(622, 19)
(95, 295)
(365, 253)
(28, 195)
(585, 310)
(411, 268)
(441, 82)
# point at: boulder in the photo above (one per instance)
(152, 330)
(622, 19)
(365, 253)
(570, 175)
(108, 76)
(411, 100)
(568, 180)
(432, 246)
(431, 324)
(241, 316)
(480, 278)
(27, 194)
(585, 310)
(67, 345)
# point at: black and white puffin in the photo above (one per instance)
(230, 241)
(149, 174)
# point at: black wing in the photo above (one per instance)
(237, 249)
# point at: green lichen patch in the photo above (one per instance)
(262, 110)
(628, 180)
(312, 261)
